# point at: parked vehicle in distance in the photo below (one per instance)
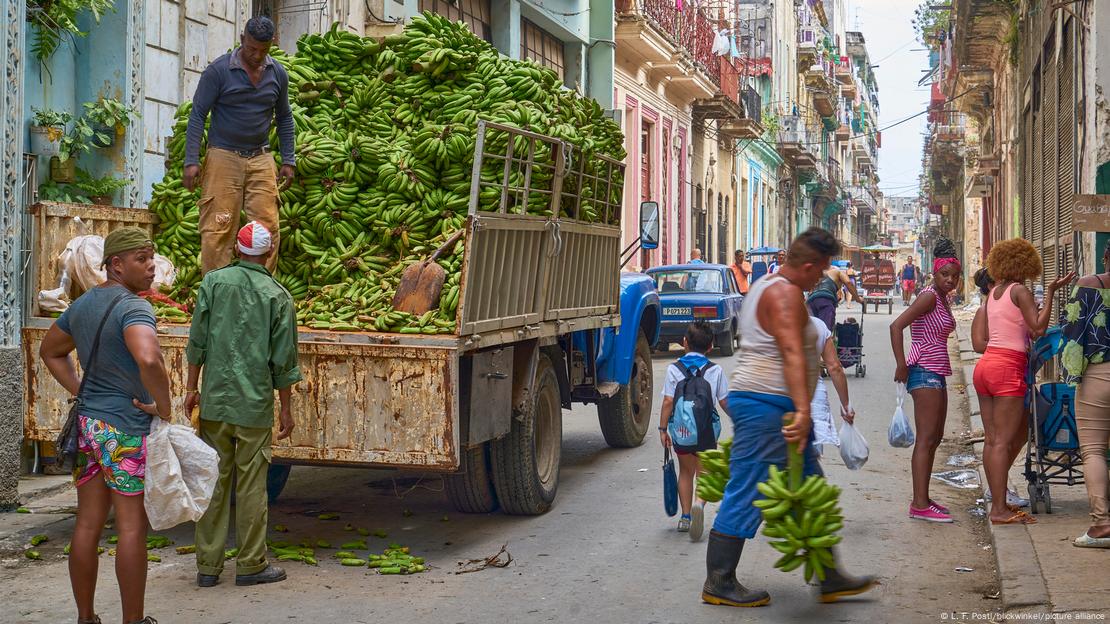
(698, 292)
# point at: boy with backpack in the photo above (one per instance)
(688, 419)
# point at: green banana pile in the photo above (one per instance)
(714, 472)
(385, 142)
(803, 518)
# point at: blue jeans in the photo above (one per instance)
(923, 378)
(757, 443)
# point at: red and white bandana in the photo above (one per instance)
(254, 239)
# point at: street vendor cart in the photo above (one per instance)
(877, 277)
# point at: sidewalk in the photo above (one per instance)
(51, 502)
(1039, 571)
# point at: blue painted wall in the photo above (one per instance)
(81, 70)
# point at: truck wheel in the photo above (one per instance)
(471, 490)
(625, 416)
(276, 478)
(726, 342)
(526, 461)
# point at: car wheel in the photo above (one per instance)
(726, 342)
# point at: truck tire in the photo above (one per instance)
(471, 490)
(526, 461)
(726, 342)
(626, 415)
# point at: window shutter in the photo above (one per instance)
(1066, 133)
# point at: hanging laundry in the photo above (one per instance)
(720, 42)
(733, 51)
(678, 4)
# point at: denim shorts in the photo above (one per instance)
(924, 378)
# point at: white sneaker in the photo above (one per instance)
(697, 522)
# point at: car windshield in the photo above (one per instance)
(689, 281)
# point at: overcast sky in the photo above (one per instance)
(888, 30)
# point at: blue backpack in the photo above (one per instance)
(694, 425)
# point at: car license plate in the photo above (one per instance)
(676, 311)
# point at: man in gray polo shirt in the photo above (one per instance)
(246, 91)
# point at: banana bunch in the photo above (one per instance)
(714, 472)
(385, 139)
(803, 519)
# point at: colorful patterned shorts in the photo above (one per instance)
(121, 457)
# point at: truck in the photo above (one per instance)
(545, 320)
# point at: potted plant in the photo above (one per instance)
(63, 167)
(47, 129)
(62, 193)
(99, 190)
(107, 117)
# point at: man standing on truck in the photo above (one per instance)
(246, 91)
(244, 335)
(775, 374)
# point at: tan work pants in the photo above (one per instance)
(231, 184)
(1092, 416)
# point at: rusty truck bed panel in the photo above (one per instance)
(359, 403)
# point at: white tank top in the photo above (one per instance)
(759, 365)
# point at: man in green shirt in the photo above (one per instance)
(244, 335)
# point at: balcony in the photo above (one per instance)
(949, 133)
(676, 44)
(809, 38)
(749, 125)
(863, 198)
(863, 151)
(844, 71)
(798, 142)
(821, 83)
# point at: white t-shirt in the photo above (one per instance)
(715, 375)
(820, 410)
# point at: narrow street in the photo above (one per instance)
(605, 553)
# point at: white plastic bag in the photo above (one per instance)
(853, 447)
(81, 258)
(53, 300)
(901, 433)
(181, 474)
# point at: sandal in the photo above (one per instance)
(1086, 541)
(1018, 518)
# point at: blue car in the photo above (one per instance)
(698, 292)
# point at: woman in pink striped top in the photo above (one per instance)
(930, 320)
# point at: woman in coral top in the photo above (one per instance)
(1012, 319)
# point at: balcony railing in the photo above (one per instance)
(688, 28)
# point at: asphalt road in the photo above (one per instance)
(605, 553)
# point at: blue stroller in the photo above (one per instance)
(1052, 453)
(849, 345)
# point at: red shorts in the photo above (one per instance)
(1001, 373)
(908, 285)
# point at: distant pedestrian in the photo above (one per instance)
(822, 299)
(246, 91)
(695, 363)
(244, 336)
(910, 276)
(776, 373)
(695, 257)
(1011, 320)
(1087, 356)
(742, 270)
(125, 385)
(930, 320)
(979, 335)
(776, 264)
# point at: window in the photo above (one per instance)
(690, 280)
(542, 47)
(475, 13)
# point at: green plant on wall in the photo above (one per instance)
(50, 118)
(55, 20)
(929, 21)
(77, 141)
(771, 124)
(1013, 37)
(99, 187)
(109, 113)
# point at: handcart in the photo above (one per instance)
(1052, 453)
(877, 277)
(849, 345)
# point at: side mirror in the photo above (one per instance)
(649, 225)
